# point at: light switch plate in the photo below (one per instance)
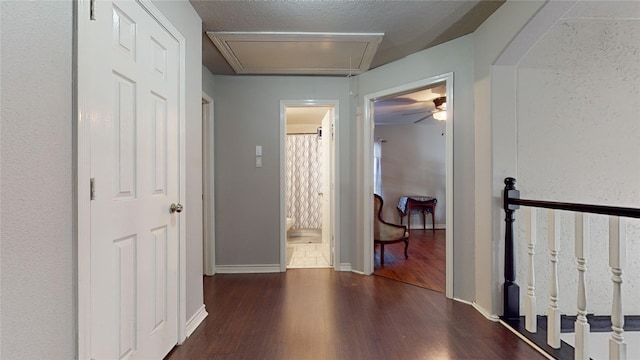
(258, 161)
(258, 150)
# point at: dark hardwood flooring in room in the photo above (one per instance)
(425, 266)
(323, 314)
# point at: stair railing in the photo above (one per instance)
(617, 254)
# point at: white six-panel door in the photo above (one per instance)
(134, 145)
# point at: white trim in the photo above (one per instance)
(82, 155)
(83, 173)
(367, 175)
(209, 212)
(479, 308)
(429, 227)
(248, 269)
(344, 267)
(335, 202)
(221, 40)
(524, 338)
(196, 320)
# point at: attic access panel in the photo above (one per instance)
(297, 53)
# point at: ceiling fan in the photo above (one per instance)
(439, 113)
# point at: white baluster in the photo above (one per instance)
(582, 327)
(617, 259)
(531, 323)
(553, 312)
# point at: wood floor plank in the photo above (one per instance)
(426, 265)
(323, 314)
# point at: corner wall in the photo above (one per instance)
(490, 40)
(454, 56)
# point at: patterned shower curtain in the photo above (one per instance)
(303, 177)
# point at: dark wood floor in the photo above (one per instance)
(324, 314)
(425, 266)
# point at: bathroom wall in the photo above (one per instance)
(413, 163)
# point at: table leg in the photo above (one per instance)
(433, 219)
(424, 219)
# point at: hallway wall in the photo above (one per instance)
(37, 261)
(247, 113)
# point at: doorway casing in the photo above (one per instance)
(208, 169)
(335, 192)
(367, 162)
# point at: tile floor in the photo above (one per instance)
(306, 256)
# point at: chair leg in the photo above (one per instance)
(406, 246)
(381, 254)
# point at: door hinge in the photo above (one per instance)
(92, 10)
(92, 189)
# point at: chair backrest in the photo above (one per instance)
(382, 230)
(377, 213)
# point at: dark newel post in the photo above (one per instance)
(511, 289)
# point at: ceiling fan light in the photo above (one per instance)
(440, 115)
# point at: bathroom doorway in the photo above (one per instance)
(308, 177)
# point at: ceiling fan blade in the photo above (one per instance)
(423, 118)
(417, 112)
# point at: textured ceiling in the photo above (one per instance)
(409, 26)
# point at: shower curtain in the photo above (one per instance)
(303, 177)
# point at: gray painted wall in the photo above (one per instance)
(247, 113)
(455, 56)
(37, 252)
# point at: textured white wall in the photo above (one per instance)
(414, 163)
(578, 103)
(454, 56)
(187, 21)
(37, 256)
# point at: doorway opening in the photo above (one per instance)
(308, 197)
(418, 101)
(409, 174)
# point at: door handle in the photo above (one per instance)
(176, 208)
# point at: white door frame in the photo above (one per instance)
(82, 149)
(208, 170)
(335, 162)
(367, 149)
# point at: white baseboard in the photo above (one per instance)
(248, 269)
(415, 226)
(524, 338)
(479, 308)
(344, 267)
(197, 319)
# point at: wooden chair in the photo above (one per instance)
(385, 233)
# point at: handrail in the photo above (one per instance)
(584, 208)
